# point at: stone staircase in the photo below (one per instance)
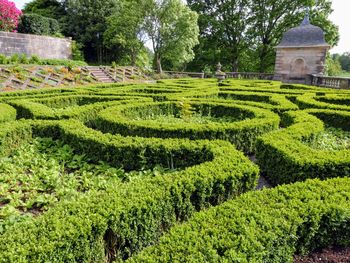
(100, 74)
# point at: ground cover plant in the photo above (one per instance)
(165, 172)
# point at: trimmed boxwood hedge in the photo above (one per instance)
(116, 224)
(242, 133)
(283, 158)
(125, 218)
(311, 100)
(80, 106)
(7, 113)
(276, 102)
(267, 226)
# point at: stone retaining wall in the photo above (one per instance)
(42, 46)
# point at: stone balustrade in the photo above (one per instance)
(330, 82)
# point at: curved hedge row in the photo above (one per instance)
(132, 119)
(285, 159)
(83, 107)
(310, 100)
(119, 222)
(7, 113)
(266, 226)
(275, 102)
(134, 213)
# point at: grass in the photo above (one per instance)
(330, 139)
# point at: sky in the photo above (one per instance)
(339, 17)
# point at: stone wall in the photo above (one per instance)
(295, 65)
(42, 46)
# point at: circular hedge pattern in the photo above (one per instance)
(174, 147)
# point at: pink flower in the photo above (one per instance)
(9, 15)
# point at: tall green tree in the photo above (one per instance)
(344, 60)
(223, 27)
(169, 26)
(333, 66)
(172, 28)
(124, 28)
(48, 8)
(86, 22)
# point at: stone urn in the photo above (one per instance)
(219, 74)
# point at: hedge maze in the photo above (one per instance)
(162, 172)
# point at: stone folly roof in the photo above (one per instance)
(305, 35)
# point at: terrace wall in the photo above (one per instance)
(42, 46)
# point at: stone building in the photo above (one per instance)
(302, 52)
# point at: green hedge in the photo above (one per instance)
(242, 133)
(311, 100)
(283, 158)
(80, 106)
(276, 102)
(38, 25)
(126, 217)
(267, 226)
(7, 113)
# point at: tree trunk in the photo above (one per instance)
(235, 65)
(133, 58)
(159, 64)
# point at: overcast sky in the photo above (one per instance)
(340, 17)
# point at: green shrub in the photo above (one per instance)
(83, 107)
(23, 59)
(131, 119)
(3, 59)
(38, 25)
(14, 59)
(311, 100)
(284, 158)
(7, 113)
(34, 60)
(135, 214)
(128, 216)
(266, 226)
(77, 53)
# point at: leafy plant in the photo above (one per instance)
(330, 139)
(186, 110)
(9, 17)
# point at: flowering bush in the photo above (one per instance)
(9, 15)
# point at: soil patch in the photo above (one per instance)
(330, 255)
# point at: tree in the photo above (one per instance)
(172, 29)
(9, 16)
(223, 27)
(86, 22)
(344, 60)
(333, 67)
(47, 8)
(273, 18)
(169, 25)
(124, 28)
(242, 34)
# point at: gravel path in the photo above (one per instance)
(263, 183)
